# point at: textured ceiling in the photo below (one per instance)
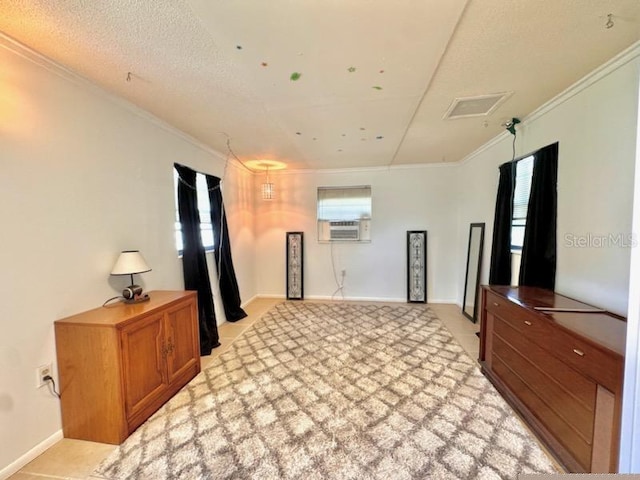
(328, 83)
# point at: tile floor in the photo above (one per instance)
(77, 459)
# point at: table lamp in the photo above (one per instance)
(128, 263)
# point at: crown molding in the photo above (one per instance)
(336, 171)
(69, 75)
(58, 69)
(620, 60)
(585, 82)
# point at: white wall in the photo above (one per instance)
(238, 197)
(82, 176)
(595, 125)
(630, 424)
(418, 198)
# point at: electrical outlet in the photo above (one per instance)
(41, 372)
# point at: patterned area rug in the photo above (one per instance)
(334, 391)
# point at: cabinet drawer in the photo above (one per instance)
(536, 328)
(577, 386)
(555, 395)
(566, 435)
(598, 364)
(498, 305)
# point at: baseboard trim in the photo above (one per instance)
(349, 299)
(244, 304)
(32, 454)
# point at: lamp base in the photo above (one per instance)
(137, 299)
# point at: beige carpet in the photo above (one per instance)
(335, 391)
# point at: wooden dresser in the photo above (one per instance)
(560, 369)
(119, 364)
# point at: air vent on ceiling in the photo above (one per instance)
(478, 106)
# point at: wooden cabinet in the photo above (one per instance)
(119, 364)
(559, 362)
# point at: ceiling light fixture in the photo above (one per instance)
(267, 188)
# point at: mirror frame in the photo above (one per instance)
(476, 287)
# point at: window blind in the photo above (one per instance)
(524, 171)
(344, 203)
(206, 229)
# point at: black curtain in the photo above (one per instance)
(538, 265)
(194, 262)
(227, 276)
(500, 271)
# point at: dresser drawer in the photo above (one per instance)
(605, 368)
(536, 328)
(557, 396)
(577, 386)
(498, 305)
(566, 435)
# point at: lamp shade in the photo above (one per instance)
(129, 262)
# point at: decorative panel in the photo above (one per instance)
(417, 266)
(295, 252)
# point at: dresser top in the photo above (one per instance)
(599, 326)
(119, 313)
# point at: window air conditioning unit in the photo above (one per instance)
(344, 230)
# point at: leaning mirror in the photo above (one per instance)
(471, 292)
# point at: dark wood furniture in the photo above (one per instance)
(560, 369)
(119, 364)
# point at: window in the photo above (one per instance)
(524, 172)
(206, 229)
(344, 213)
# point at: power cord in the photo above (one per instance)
(340, 286)
(340, 283)
(49, 378)
(119, 297)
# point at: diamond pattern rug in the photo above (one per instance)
(335, 391)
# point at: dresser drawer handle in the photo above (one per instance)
(527, 323)
(578, 352)
(495, 304)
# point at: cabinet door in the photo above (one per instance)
(143, 362)
(182, 341)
